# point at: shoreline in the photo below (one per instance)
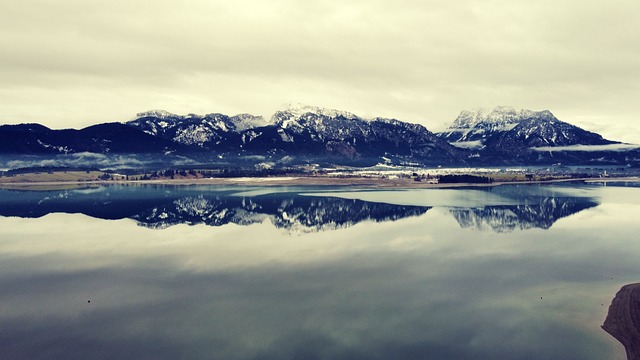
(361, 182)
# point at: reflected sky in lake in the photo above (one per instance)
(419, 286)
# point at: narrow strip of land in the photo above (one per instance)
(74, 180)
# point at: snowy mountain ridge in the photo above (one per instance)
(193, 129)
(302, 134)
(301, 130)
(296, 110)
(504, 125)
(471, 123)
(303, 116)
(498, 116)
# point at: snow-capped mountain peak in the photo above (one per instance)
(247, 121)
(194, 129)
(296, 111)
(160, 114)
(511, 131)
(500, 116)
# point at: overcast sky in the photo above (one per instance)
(73, 63)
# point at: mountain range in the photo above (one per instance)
(306, 134)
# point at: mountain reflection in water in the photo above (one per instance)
(77, 287)
(159, 207)
(285, 211)
(508, 218)
(164, 206)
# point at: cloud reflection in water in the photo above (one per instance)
(412, 288)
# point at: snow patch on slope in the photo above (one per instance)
(580, 147)
(477, 144)
(297, 110)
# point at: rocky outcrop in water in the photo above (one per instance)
(623, 319)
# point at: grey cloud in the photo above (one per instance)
(421, 61)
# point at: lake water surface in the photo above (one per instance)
(210, 272)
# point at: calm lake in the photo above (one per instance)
(212, 272)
